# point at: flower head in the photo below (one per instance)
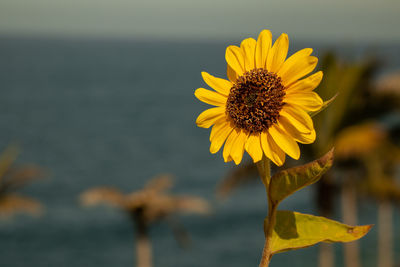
(262, 107)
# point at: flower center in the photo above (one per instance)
(255, 100)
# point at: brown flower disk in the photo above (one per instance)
(255, 100)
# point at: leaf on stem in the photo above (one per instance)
(295, 230)
(286, 182)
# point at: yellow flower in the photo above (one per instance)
(263, 106)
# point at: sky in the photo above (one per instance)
(339, 20)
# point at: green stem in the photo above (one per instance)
(265, 173)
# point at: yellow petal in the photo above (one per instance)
(271, 149)
(232, 76)
(235, 59)
(293, 60)
(229, 143)
(210, 97)
(264, 42)
(238, 148)
(304, 138)
(298, 69)
(222, 86)
(285, 142)
(210, 116)
(305, 85)
(309, 101)
(218, 125)
(298, 118)
(253, 147)
(248, 47)
(219, 138)
(278, 53)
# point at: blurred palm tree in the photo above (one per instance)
(353, 83)
(364, 100)
(147, 206)
(366, 151)
(13, 178)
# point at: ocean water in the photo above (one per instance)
(113, 112)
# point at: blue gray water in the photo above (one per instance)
(98, 112)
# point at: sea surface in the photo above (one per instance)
(116, 113)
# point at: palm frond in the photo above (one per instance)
(190, 204)
(180, 233)
(102, 195)
(7, 158)
(160, 183)
(11, 204)
(239, 176)
(17, 177)
(359, 140)
(151, 202)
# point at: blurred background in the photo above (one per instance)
(101, 93)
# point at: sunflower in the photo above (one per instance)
(263, 108)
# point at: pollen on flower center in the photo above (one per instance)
(255, 100)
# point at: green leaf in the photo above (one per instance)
(286, 182)
(324, 105)
(295, 230)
